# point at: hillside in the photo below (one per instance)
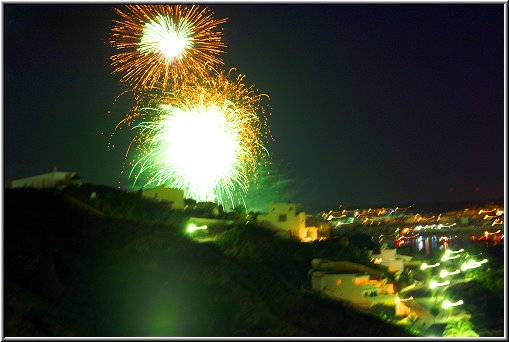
(72, 268)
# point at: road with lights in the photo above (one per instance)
(430, 294)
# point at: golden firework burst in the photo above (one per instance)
(158, 44)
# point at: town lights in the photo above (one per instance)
(445, 273)
(448, 257)
(472, 264)
(403, 300)
(425, 265)
(447, 304)
(434, 284)
(450, 254)
(497, 221)
(192, 227)
(449, 251)
(468, 265)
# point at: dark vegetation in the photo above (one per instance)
(114, 269)
(485, 306)
(120, 204)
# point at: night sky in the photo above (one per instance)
(371, 104)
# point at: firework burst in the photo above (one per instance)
(159, 44)
(206, 137)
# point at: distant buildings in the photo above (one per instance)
(481, 216)
(47, 180)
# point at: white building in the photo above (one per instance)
(173, 197)
(289, 221)
(354, 287)
(48, 180)
(389, 258)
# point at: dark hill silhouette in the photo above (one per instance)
(71, 272)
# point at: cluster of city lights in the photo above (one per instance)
(487, 234)
(448, 255)
(497, 221)
(496, 217)
(434, 226)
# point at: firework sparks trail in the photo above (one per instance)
(160, 44)
(206, 137)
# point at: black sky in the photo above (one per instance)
(374, 104)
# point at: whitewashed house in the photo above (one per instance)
(389, 258)
(346, 281)
(287, 220)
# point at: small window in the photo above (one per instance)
(282, 218)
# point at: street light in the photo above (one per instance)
(445, 273)
(192, 227)
(447, 256)
(454, 252)
(403, 300)
(425, 265)
(447, 304)
(433, 284)
(472, 264)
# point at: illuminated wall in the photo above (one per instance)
(356, 288)
(390, 259)
(285, 217)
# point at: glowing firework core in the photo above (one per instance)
(167, 37)
(199, 128)
(200, 144)
(202, 147)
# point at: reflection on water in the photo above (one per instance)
(427, 244)
(423, 244)
(419, 243)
